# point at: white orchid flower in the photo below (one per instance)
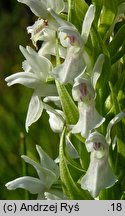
(99, 174)
(89, 119)
(43, 31)
(74, 62)
(36, 30)
(48, 174)
(35, 76)
(39, 7)
(84, 92)
(44, 28)
(49, 44)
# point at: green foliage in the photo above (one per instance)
(70, 187)
(77, 10)
(68, 105)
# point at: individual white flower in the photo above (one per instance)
(35, 76)
(49, 44)
(43, 31)
(99, 174)
(48, 174)
(36, 30)
(74, 62)
(39, 7)
(84, 92)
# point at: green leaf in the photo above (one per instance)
(98, 4)
(70, 188)
(69, 108)
(119, 160)
(117, 41)
(112, 193)
(123, 196)
(107, 16)
(121, 1)
(77, 10)
(118, 56)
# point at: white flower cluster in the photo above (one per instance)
(40, 74)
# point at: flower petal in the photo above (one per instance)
(39, 64)
(35, 110)
(33, 185)
(46, 175)
(95, 137)
(98, 176)
(27, 79)
(54, 99)
(82, 90)
(97, 69)
(55, 121)
(63, 39)
(37, 7)
(89, 119)
(36, 31)
(47, 162)
(49, 48)
(72, 66)
(73, 33)
(59, 20)
(54, 194)
(56, 5)
(89, 17)
(114, 121)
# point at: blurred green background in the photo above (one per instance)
(14, 18)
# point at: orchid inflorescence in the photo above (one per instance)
(74, 81)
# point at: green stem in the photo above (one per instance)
(24, 165)
(114, 99)
(70, 10)
(70, 187)
(57, 51)
(119, 158)
(118, 55)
